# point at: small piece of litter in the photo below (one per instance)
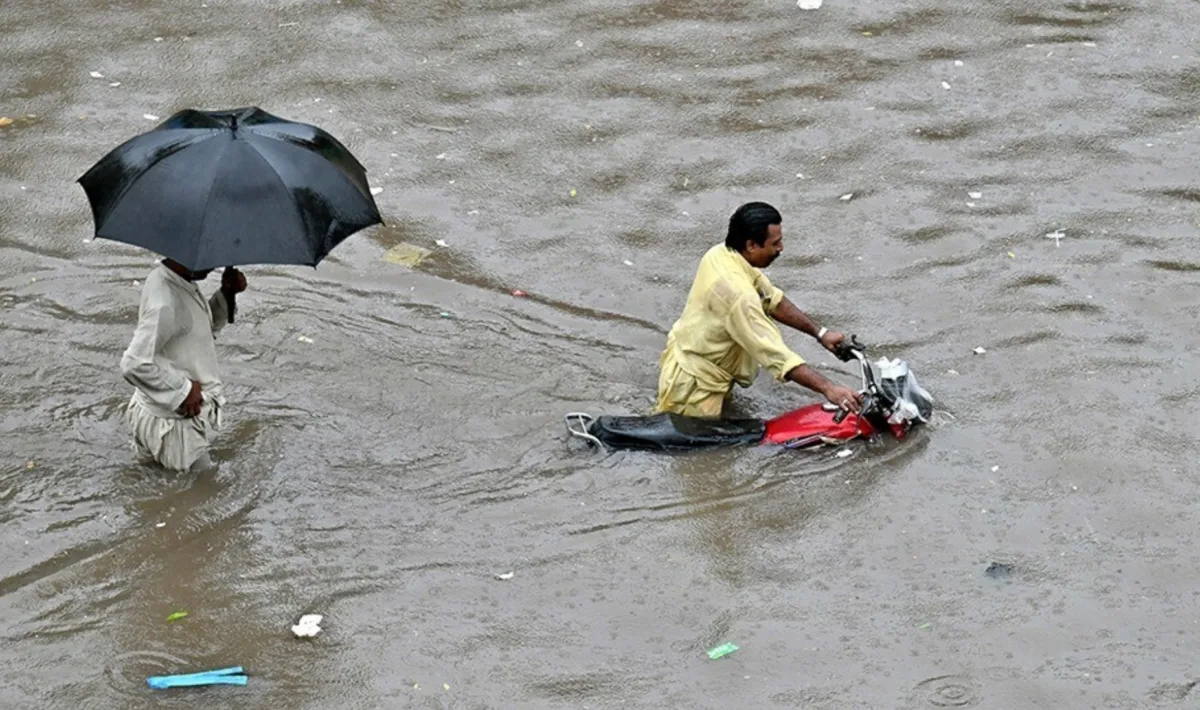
(149, 117)
(473, 212)
(926, 625)
(952, 373)
(979, 351)
(518, 293)
(308, 626)
(946, 85)
(628, 262)
(30, 465)
(96, 75)
(158, 39)
(996, 570)
(1012, 255)
(846, 197)
(970, 204)
(441, 156)
(975, 195)
(723, 650)
(800, 175)
(578, 43)
(844, 453)
(868, 34)
(444, 314)
(304, 339)
(376, 190)
(160, 525)
(572, 192)
(505, 576)
(445, 686)
(177, 616)
(1057, 236)
(223, 676)
(995, 469)
(115, 84)
(5, 121)
(441, 243)
(406, 254)
(958, 62)
(809, 4)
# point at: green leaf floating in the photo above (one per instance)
(177, 616)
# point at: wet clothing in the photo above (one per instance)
(724, 336)
(173, 345)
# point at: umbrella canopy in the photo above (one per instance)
(227, 188)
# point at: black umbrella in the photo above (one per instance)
(226, 188)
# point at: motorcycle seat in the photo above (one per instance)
(674, 431)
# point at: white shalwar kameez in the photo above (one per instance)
(173, 345)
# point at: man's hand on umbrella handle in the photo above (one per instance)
(232, 280)
(194, 402)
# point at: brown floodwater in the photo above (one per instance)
(587, 153)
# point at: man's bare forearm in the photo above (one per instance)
(787, 313)
(805, 376)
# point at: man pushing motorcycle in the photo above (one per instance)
(728, 331)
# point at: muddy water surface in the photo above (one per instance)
(588, 153)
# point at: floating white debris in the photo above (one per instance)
(975, 195)
(809, 4)
(979, 351)
(1057, 236)
(946, 85)
(149, 117)
(958, 62)
(308, 626)
(160, 525)
(578, 43)
(970, 204)
(628, 262)
(995, 469)
(844, 453)
(158, 39)
(115, 84)
(952, 373)
(846, 197)
(304, 339)
(376, 190)
(441, 156)
(441, 243)
(505, 576)
(95, 75)
(473, 212)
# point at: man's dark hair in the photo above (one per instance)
(749, 223)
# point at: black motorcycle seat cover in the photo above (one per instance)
(675, 431)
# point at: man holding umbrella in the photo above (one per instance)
(205, 190)
(172, 364)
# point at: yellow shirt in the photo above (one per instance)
(726, 333)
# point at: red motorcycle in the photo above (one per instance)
(892, 401)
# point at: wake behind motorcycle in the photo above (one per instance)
(893, 402)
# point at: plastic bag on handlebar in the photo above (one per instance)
(899, 385)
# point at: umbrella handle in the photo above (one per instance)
(230, 296)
